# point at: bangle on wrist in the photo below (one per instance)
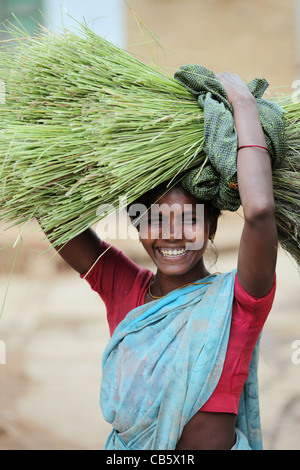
(255, 146)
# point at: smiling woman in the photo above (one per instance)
(174, 228)
(180, 370)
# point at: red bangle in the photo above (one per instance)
(258, 146)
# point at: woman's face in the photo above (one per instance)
(175, 232)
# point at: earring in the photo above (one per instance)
(212, 238)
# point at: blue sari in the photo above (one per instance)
(163, 363)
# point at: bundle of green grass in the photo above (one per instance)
(85, 123)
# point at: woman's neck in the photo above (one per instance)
(163, 283)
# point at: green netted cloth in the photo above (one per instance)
(217, 180)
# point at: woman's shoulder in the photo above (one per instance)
(115, 271)
(260, 306)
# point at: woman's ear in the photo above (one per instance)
(213, 228)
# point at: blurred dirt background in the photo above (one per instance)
(53, 325)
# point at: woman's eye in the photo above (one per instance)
(155, 221)
(159, 219)
(190, 221)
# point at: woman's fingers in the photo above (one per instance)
(235, 88)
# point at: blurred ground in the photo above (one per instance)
(55, 331)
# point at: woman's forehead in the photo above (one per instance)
(177, 203)
(178, 196)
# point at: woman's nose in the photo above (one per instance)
(172, 229)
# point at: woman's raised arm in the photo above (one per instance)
(258, 246)
(82, 251)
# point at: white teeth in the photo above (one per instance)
(172, 252)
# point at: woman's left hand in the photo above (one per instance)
(236, 90)
(259, 240)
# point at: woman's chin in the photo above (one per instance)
(174, 264)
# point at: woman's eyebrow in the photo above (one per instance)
(190, 212)
(160, 213)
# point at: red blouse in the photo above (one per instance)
(122, 286)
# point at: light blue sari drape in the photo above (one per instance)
(164, 361)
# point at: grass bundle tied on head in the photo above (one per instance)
(85, 123)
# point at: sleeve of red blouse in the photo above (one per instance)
(260, 307)
(113, 273)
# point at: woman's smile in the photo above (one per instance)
(175, 235)
(171, 253)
